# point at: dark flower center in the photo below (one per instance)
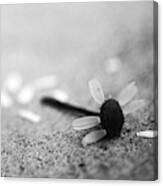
(112, 117)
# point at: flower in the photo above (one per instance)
(112, 112)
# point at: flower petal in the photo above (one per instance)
(127, 94)
(133, 106)
(93, 137)
(85, 122)
(96, 91)
(147, 133)
(29, 116)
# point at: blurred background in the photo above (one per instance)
(111, 41)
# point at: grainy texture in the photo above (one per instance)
(61, 39)
(53, 149)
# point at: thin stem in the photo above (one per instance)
(66, 106)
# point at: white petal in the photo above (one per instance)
(96, 91)
(85, 122)
(6, 100)
(127, 94)
(93, 137)
(13, 82)
(26, 94)
(147, 134)
(133, 106)
(46, 82)
(29, 116)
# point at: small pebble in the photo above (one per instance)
(6, 100)
(29, 116)
(147, 134)
(46, 82)
(113, 65)
(60, 95)
(13, 82)
(26, 94)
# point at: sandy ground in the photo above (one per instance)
(53, 149)
(61, 40)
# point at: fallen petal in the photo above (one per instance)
(93, 137)
(96, 91)
(127, 94)
(29, 116)
(133, 106)
(85, 122)
(147, 134)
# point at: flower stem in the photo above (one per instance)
(66, 106)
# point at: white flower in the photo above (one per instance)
(124, 101)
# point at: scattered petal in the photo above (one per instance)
(127, 94)
(46, 82)
(133, 106)
(85, 122)
(60, 95)
(29, 116)
(147, 134)
(26, 94)
(96, 91)
(93, 137)
(6, 100)
(113, 65)
(13, 82)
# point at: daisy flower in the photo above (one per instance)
(112, 112)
